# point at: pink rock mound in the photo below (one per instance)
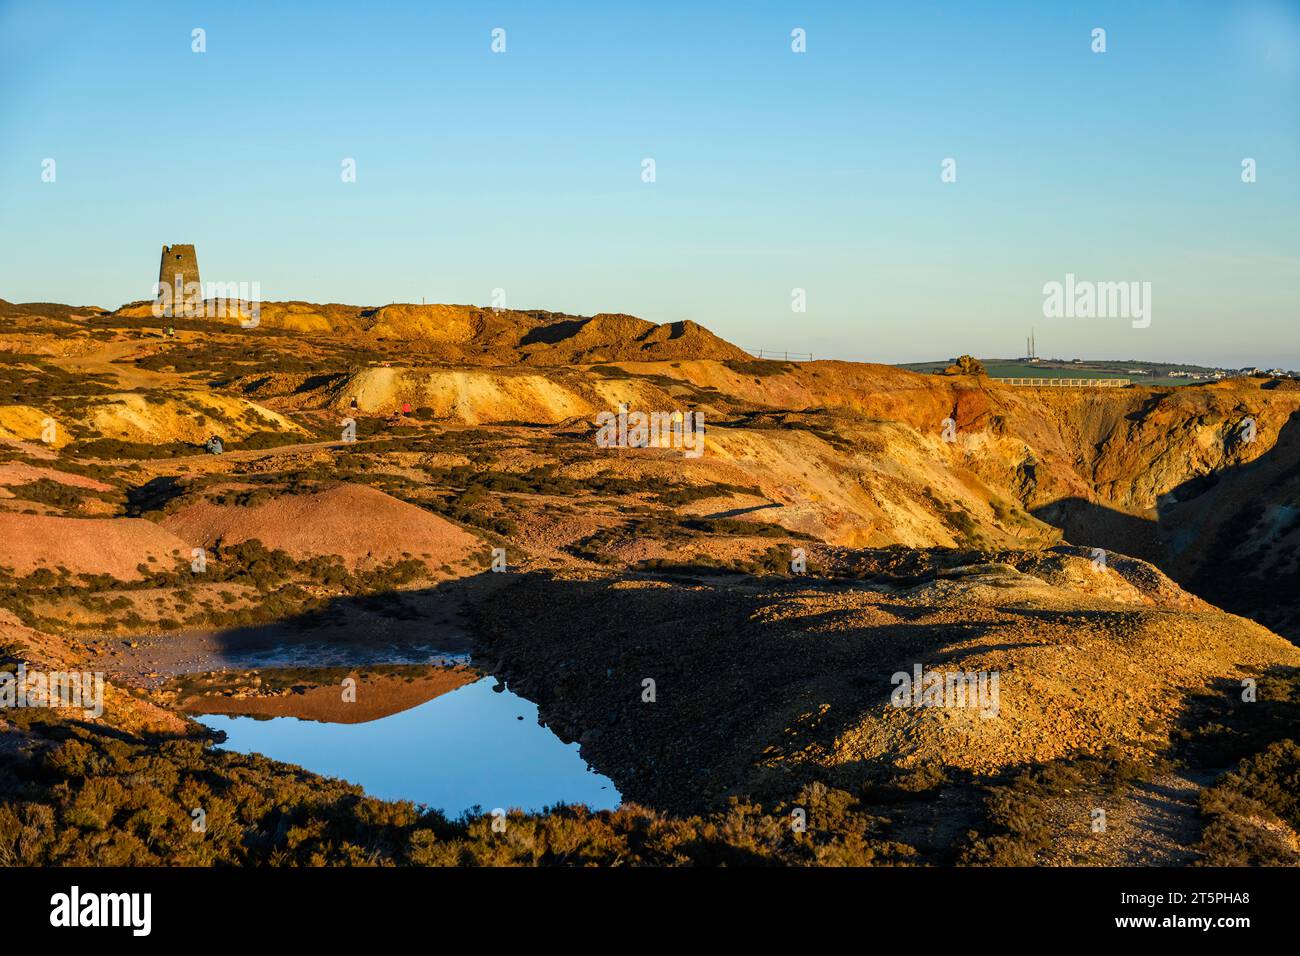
(116, 546)
(18, 473)
(365, 527)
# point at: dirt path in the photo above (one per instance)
(1164, 824)
(1152, 824)
(105, 361)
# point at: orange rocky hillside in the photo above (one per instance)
(113, 546)
(478, 336)
(365, 527)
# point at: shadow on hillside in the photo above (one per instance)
(153, 495)
(1089, 524)
(553, 333)
(742, 697)
(735, 687)
(739, 512)
(1227, 536)
(399, 627)
(1217, 728)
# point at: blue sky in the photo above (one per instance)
(774, 170)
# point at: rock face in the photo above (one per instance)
(24, 423)
(855, 454)
(471, 395)
(182, 415)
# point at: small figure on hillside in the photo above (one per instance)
(406, 408)
(214, 446)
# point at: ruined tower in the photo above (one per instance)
(179, 268)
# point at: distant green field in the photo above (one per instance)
(1156, 372)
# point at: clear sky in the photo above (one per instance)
(775, 170)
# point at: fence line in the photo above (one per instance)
(1066, 382)
(781, 353)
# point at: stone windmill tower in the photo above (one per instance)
(179, 267)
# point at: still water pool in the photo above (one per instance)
(468, 747)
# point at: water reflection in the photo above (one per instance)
(471, 746)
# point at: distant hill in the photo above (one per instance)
(1141, 373)
(483, 336)
(47, 310)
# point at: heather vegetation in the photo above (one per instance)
(1251, 810)
(267, 585)
(1019, 826)
(82, 797)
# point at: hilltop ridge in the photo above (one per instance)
(489, 336)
